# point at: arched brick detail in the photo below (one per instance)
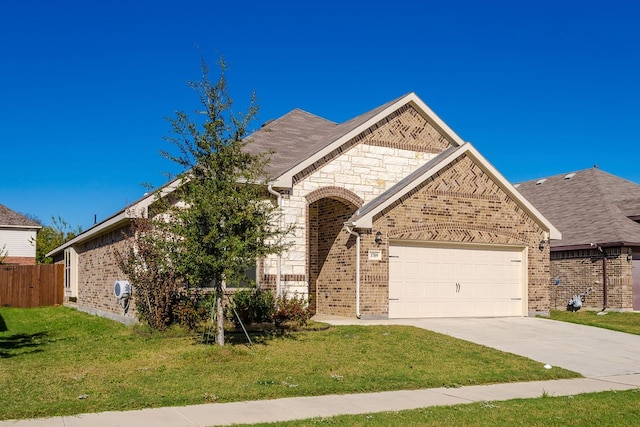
(333, 192)
(457, 232)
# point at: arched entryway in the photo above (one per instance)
(331, 251)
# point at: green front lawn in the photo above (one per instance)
(612, 408)
(628, 322)
(58, 361)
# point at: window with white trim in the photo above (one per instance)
(70, 272)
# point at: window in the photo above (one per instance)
(67, 270)
(71, 272)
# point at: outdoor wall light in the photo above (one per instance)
(542, 245)
(378, 238)
(629, 257)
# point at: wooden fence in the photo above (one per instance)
(29, 286)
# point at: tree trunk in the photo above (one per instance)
(220, 314)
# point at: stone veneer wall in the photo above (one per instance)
(97, 271)
(577, 271)
(366, 166)
(461, 204)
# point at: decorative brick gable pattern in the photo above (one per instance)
(461, 204)
(405, 129)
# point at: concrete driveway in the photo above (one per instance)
(593, 352)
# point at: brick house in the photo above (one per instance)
(599, 253)
(17, 237)
(395, 215)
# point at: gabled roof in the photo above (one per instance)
(120, 218)
(588, 206)
(299, 139)
(295, 135)
(363, 218)
(12, 219)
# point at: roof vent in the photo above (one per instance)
(540, 181)
(569, 175)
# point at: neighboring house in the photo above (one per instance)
(395, 216)
(598, 215)
(17, 237)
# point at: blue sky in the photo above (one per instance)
(539, 87)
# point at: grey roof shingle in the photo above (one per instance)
(299, 135)
(12, 218)
(292, 137)
(588, 206)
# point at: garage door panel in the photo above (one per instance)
(431, 281)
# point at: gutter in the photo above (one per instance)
(349, 227)
(21, 227)
(590, 246)
(279, 261)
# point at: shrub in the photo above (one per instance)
(145, 261)
(253, 306)
(191, 308)
(292, 310)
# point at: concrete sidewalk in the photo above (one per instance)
(219, 414)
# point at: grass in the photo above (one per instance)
(628, 322)
(620, 408)
(58, 361)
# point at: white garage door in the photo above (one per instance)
(455, 281)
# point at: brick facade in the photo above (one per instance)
(19, 260)
(355, 173)
(97, 272)
(331, 263)
(461, 204)
(580, 271)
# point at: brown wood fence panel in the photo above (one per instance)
(29, 286)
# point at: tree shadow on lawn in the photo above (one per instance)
(261, 334)
(20, 344)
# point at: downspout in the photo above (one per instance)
(605, 301)
(349, 227)
(279, 260)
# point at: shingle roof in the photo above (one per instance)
(299, 135)
(294, 136)
(12, 218)
(588, 206)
